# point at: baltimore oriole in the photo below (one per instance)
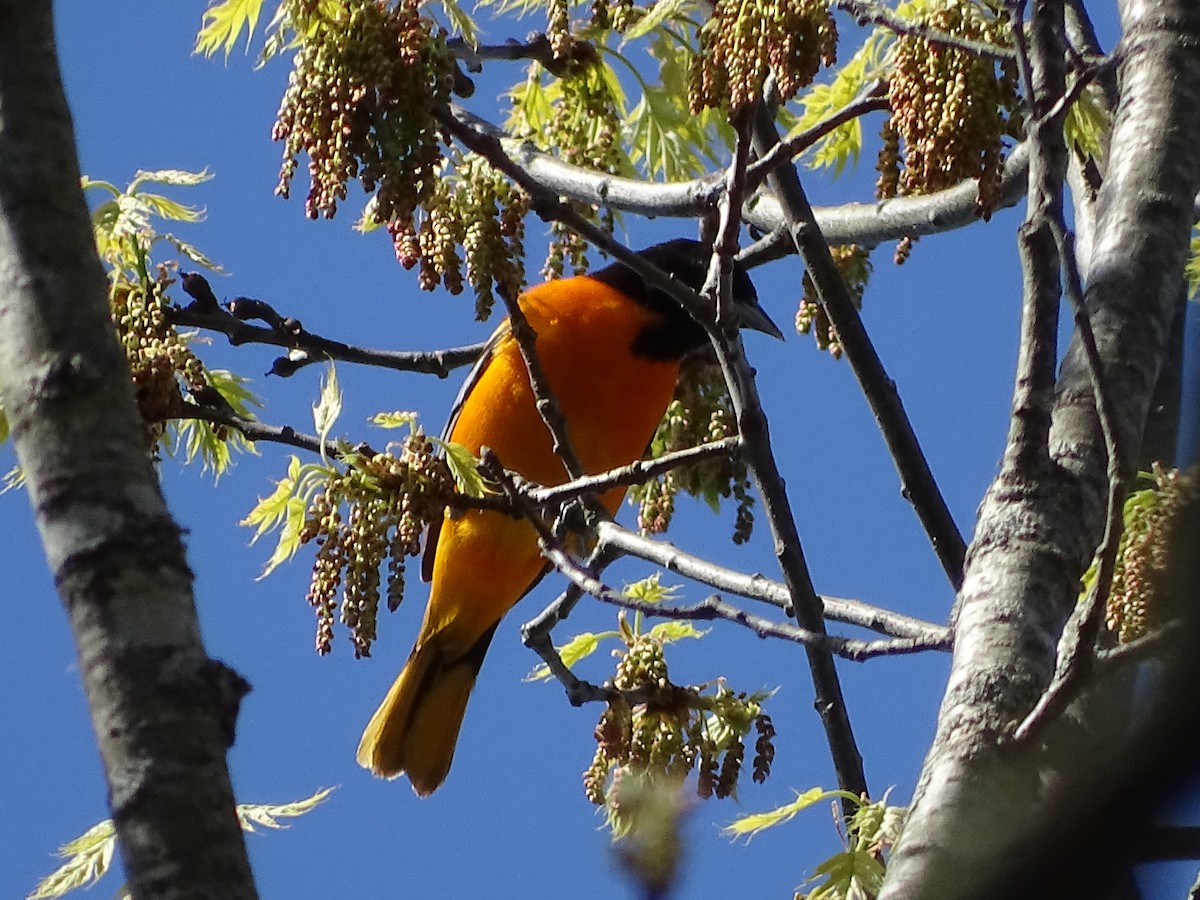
(610, 347)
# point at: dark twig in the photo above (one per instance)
(282, 331)
(547, 403)
(871, 99)
(1078, 646)
(635, 473)
(916, 478)
(877, 14)
(752, 426)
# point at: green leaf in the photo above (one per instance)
(852, 873)
(90, 855)
(172, 177)
(327, 408)
(579, 647)
(394, 419)
(223, 25)
(460, 21)
(651, 590)
(4, 432)
(669, 632)
(1192, 270)
(13, 479)
(172, 210)
(749, 826)
(844, 144)
(193, 253)
(87, 857)
(268, 815)
(658, 14)
(464, 469)
(1086, 124)
(271, 511)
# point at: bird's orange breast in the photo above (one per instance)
(612, 400)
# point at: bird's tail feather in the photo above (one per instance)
(415, 729)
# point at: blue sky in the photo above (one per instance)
(511, 820)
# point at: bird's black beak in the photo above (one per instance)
(751, 315)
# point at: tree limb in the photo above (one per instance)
(163, 712)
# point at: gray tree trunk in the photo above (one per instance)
(986, 805)
(163, 712)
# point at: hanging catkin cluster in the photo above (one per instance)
(160, 361)
(365, 85)
(745, 40)
(699, 413)
(854, 262)
(950, 109)
(1149, 546)
(475, 208)
(670, 738)
(375, 509)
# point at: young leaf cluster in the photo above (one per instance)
(90, 855)
(164, 368)
(856, 871)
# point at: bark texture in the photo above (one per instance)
(986, 806)
(163, 712)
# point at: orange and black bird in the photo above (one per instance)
(610, 346)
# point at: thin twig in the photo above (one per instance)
(757, 587)
(760, 458)
(916, 478)
(636, 472)
(871, 98)
(876, 14)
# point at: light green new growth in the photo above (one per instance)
(89, 856)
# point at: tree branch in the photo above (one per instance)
(284, 331)
(869, 224)
(916, 478)
(757, 587)
(163, 711)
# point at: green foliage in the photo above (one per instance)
(224, 23)
(580, 647)
(90, 855)
(648, 590)
(214, 445)
(844, 144)
(166, 372)
(285, 508)
(1086, 124)
(124, 225)
(1192, 270)
(750, 825)
(858, 870)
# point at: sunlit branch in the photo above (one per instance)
(868, 224)
(757, 587)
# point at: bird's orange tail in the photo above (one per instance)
(415, 729)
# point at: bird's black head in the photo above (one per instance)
(678, 333)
